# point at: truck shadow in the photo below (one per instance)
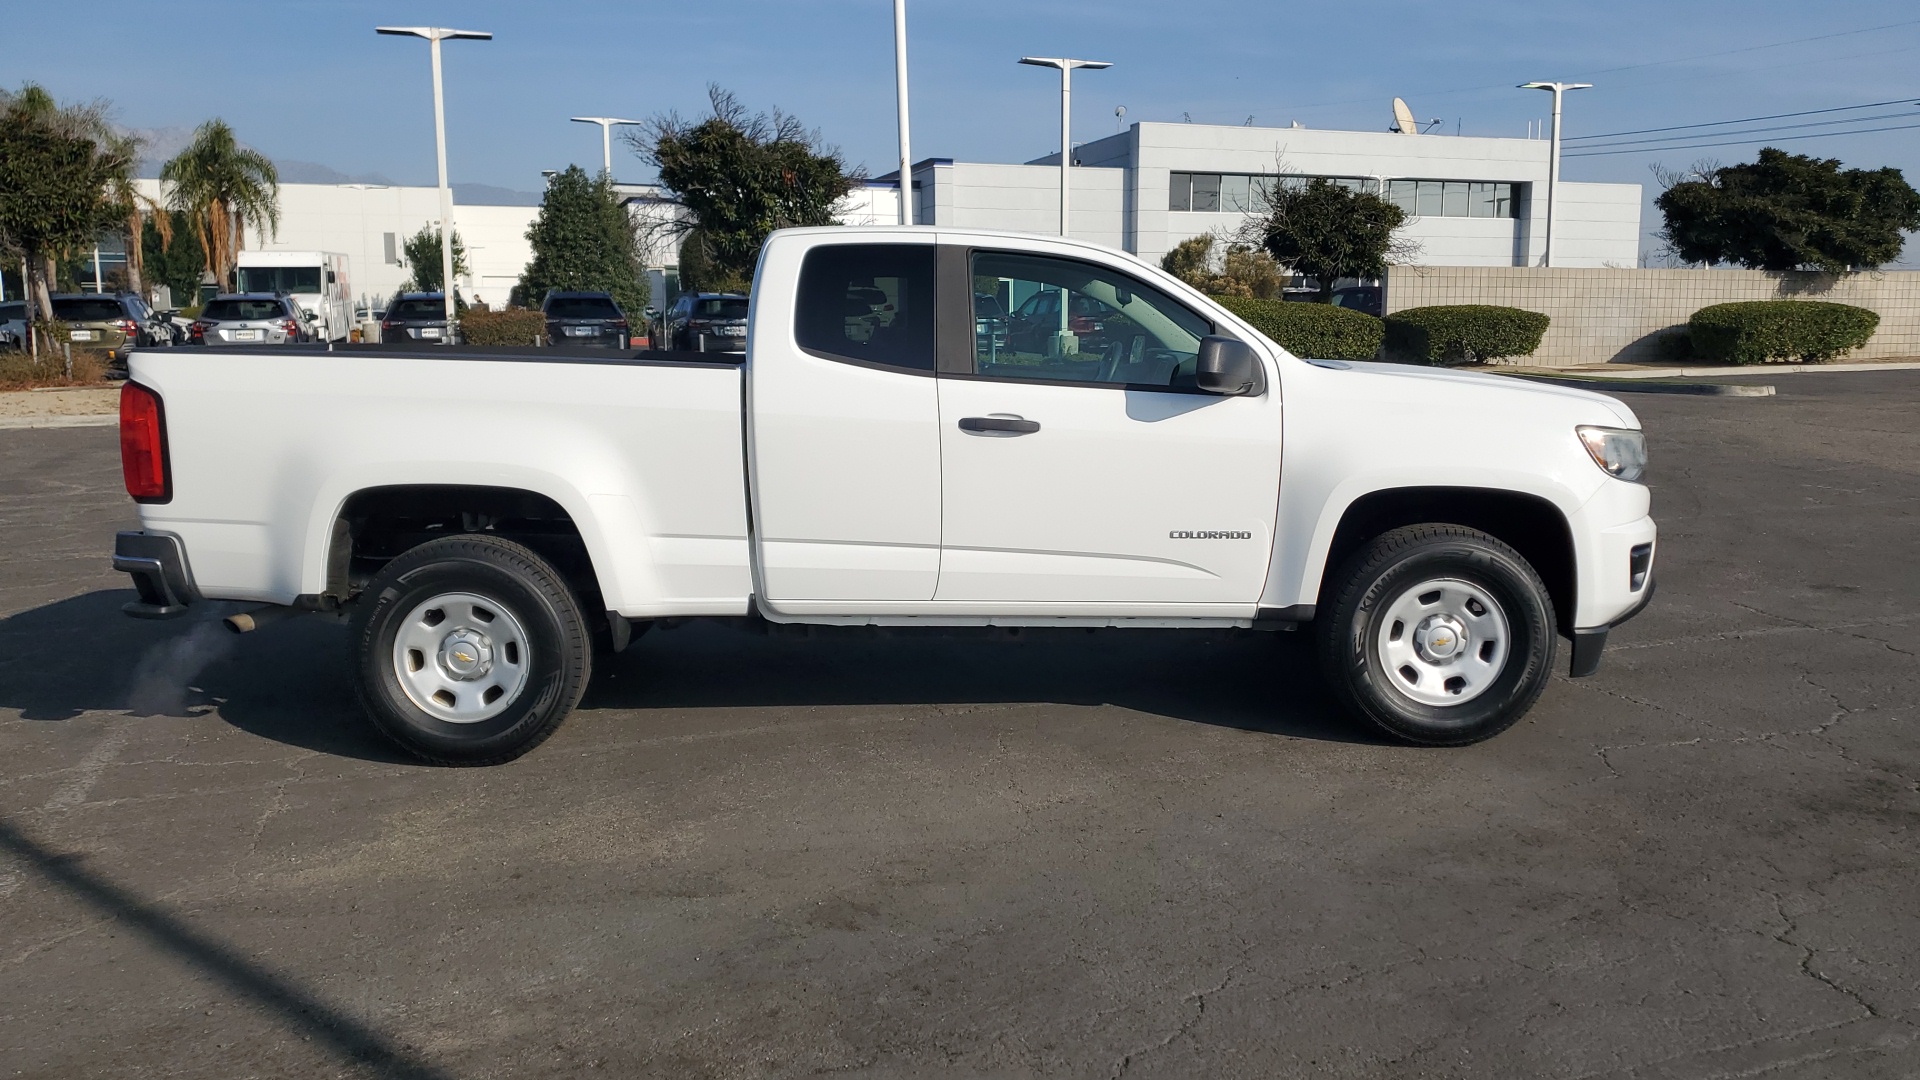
(287, 683)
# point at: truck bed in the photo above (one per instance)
(643, 450)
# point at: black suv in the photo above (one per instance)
(584, 318)
(705, 322)
(416, 318)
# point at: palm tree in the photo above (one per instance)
(222, 187)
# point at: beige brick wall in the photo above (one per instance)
(1607, 315)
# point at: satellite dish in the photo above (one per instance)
(1403, 121)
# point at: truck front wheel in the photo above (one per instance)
(1438, 634)
(469, 650)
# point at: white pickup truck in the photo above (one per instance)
(910, 439)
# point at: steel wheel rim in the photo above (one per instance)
(461, 657)
(1443, 642)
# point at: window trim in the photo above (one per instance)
(971, 370)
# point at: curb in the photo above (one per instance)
(1632, 386)
(1750, 369)
(22, 423)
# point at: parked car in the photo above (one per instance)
(482, 536)
(584, 318)
(13, 324)
(705, 322)
(416, 318)
(1362, 298)
(249, 319)
(117, 322)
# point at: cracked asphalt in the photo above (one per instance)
(1093, 855)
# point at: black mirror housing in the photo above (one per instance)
(1229, 368)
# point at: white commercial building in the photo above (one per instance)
(1471, 201)
(370, 223)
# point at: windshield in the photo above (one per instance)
(242, 310)
(279, 279)
(727, 307)
(87, 309)
(581, 307)
(13, 310)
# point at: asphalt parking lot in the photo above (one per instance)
(1099, 855)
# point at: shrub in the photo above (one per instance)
(1319, 331)
(1463, 333)
(22, 370)
(1760, 331)
(510, 326)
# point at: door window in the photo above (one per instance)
(868, 304)
(1079, 323)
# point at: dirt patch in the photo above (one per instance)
(82, 401)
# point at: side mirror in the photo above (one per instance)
(1229, 368)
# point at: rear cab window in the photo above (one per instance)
(868, 304)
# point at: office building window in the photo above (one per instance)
(1243, 193)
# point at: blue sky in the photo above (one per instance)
(308, 80)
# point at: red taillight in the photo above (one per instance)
(292, 328)
(199, 328)
(143, 445)
(129, 328)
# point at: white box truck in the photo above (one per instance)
(316, 280)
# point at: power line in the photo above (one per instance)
(1632, 67)
(1759, 130)
(1748, 120)
(1745, 142)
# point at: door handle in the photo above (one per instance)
(1009, 425)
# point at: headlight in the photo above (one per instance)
(1620, 452)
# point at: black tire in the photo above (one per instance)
(536, 602)
(1377, 583)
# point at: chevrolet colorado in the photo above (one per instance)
(886, 451)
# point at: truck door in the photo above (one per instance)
(844, 424)
(1082, 465)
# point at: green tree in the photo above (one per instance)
(171, 257)
(421, 254)
(740, 176)
(584, 239)
(223, 187)
(1788, 212)
(59, 166)
(1328, 231)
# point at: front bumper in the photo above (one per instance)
(157, 562)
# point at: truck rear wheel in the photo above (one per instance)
(469, 650)
(1438, 634)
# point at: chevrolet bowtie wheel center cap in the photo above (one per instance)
(466, 654)
(1439, 638)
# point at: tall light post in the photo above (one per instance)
(1066, 67)
(607, 124)
(435, 35)
(1553, 162)
(900, 89)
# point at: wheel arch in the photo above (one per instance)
(373, 525)
(1528, 523)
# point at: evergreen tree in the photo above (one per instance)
(584, 239)
(421, 254)
(1789, 212)
(1329, 231)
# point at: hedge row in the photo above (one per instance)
(1451, 334)
(510, 326)
(1760, 331)
(1316, 331)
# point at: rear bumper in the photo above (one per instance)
(157, 562)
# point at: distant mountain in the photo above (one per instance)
(488, 195)
(308, 172)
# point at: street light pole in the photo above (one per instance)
(435, 35)
(1553, 161)
(1066, 66)
(900, 88)
(607, 124)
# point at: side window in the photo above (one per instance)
(1111, 330)
(868, 303)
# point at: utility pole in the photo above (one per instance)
(1553, 161)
